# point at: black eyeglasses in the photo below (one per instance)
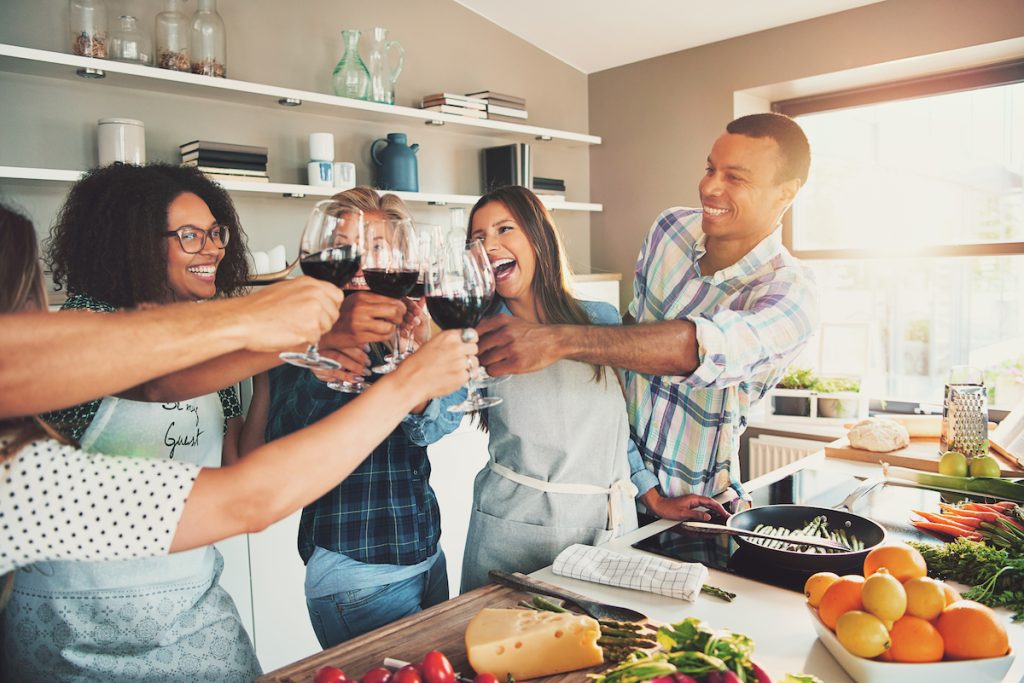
(193, 239)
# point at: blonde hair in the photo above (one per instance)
(367, 199)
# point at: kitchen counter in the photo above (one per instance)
(776, 619)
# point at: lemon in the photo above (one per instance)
(926, 597)
(883, 596)
(984, 466)
(862, 634)
(816, 586)
(953, 464)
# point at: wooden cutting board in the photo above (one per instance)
(441, 627)
(922, 454)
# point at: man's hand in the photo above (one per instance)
(510, 346)
(285, 315)
(365, 317)
(355, 366)
(684, 507)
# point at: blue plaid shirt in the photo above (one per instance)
(385, 511)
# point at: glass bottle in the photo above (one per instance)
(172, 34)
(88, 21)
(129, 43)
(382, 77)
(351, 77)
(209, 42)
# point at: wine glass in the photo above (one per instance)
(460, 288)
(428, 244)
(391, 267)
(481, 378)
(331, 249)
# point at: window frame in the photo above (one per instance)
(1003, 73)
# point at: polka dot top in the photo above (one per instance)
(60, 503)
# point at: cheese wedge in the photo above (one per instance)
(528, 644)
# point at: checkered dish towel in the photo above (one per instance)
(640, 572)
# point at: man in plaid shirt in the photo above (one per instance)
(720, 309)
(370, 545)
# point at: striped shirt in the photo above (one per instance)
(752, 320)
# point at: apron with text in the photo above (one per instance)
(558, 472)
(162, 618)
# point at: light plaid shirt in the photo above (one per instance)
(752, 320)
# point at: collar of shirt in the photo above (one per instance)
(762, 253)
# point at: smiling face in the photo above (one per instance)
(191, 277)
(740, 193)
(510, 251)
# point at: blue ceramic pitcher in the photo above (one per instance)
(396, 163)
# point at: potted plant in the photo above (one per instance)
(838, 405)
(793, 393)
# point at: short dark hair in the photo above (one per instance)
(108, 241)
(796, 151)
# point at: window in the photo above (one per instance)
(913, 220)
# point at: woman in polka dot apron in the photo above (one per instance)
(130, 235)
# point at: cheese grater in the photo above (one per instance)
(964, 414)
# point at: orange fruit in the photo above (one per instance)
(951, 594)
(972, 631)
(914, 640)
(902, 561)
(816, 586)
(839, 598)
(925, 597)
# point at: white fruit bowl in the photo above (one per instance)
(862, 670)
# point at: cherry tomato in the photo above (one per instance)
(378, 675)
(486, 678)
(407, 674)
(330, 674)
(437, 668)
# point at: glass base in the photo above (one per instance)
(347, 387)
(389, 365)
(474, 403)
(309, 361)
(482, 379)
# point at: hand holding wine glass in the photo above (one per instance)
(391, 267)
(331, 249)
(439, 367)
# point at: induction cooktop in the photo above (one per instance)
(888, 505)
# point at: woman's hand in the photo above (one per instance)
(416, 322)
(355, 365)
(440, 366)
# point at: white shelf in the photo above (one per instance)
(70, 176)
(30, 61)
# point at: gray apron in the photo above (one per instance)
(557, 475)
(161, 618)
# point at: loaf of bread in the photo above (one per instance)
(879, 434)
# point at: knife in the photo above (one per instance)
(597, 610)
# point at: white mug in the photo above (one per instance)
(121, 140)
(321, 173)
(344, 175)
(321, 147)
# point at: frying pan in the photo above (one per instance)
(796, 517)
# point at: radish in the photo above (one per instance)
(759, 674)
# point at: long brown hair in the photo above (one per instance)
(552, 276)
(21, 289)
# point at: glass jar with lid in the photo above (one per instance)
(209, 42)
(88, 22)
(172, 31)
(129, 43)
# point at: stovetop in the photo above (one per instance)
(890, 506)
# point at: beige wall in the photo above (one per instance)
(49, 123)
(659, 117)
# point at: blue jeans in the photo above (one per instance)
(346, 615)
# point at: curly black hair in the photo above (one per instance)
(108, 240)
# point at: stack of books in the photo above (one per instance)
(459, 105)
(501, 107)
(226, 161)
(552, 188)
(507, 165)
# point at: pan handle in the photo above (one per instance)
(858, 492)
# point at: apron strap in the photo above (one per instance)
(615, 492)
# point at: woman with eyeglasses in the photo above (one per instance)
(128, 236)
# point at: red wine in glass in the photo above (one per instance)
(417, 290)
(455, 311)
(336, 265)
(392, 283)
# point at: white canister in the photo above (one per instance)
(321, 147)
(121, 140)
(344, 175)
(321, 173)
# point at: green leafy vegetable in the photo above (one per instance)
(996, 576)
(800, 678)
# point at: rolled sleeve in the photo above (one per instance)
(435, 421)
(643, 479)
(734, 346)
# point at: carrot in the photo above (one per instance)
(947, 529)
(985, 507)
(960, 512)
(942, 519)
(1012, 522)
(1005, 504)
(972, 522)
